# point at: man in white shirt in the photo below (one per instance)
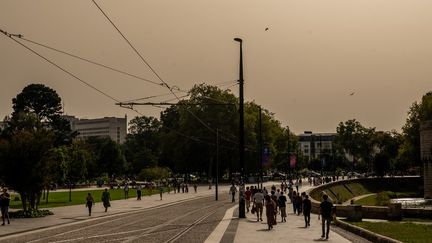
(258, 199)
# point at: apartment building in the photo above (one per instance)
(316, 145)
(112, 127)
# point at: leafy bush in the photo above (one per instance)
(30, 214)
(382, 199)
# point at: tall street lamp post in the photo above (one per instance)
(242, 213)
(260, 166)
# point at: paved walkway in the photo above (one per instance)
(77, 213)
(248, 230)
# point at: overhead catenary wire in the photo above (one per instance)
(221, 84)
(130, 44)
(148, 65)
(12, 37)
(92, 62)
(150, 97)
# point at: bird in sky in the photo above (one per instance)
(266, 29)
(352, 94)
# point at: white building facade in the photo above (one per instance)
(112, 127)
(316, 145)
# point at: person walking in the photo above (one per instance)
(139, 191)
(126, 191)
(258, 199)
(299, 201)
(195, 187)
(282, 206)
(4, 205)
(161, 189)
(233, 191)
(248, 194)
(270, 211)
(293, 201)
(275, 200)
(307, 207)
(106, 198)
(326, 208)
(89, 202)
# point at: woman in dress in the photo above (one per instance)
(270, 211)
(106, 198)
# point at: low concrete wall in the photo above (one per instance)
(417, 213)
(369, 235)
(373, 212)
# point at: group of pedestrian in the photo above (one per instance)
(106, 199)
(275, 204)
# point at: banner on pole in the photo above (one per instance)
(293, 161)
(266, 157)
(323, 162)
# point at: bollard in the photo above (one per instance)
(394, 211)
(354, 213)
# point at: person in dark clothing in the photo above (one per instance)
(89, 202)
(282, 206)
(307, 207)
(326, 209)
(233, 191)
(298, 202)
(4, 205)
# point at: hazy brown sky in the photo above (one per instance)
(303, 68)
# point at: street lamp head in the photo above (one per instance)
(238, 39)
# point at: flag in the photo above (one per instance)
(293, 160)
(266, 157)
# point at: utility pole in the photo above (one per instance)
(260, 148)
(242, 213)
(217, 163)
(289, 153)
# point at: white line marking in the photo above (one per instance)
(218, 232)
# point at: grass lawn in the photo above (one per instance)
(58, 199)
(372, 199)
(406, 232)
(367, 201)
(358, 189)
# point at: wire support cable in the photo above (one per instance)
(92, 62)
(148, 65)
(12, 37)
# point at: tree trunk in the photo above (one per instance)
(32, 200)
(47, 194)
(23, 201)
(43, 194)
(38, 197)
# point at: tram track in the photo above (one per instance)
(171, 223)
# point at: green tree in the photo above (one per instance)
(356, 140)
(409, 153)
(189, 131)
(154, 174)
(24, 165)
(75, 166)
(111, 159)
(142, 146)
(45, 103)
(387, 144)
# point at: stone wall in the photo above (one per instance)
(394, 212)
(426, 156)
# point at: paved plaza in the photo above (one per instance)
(229, 229)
